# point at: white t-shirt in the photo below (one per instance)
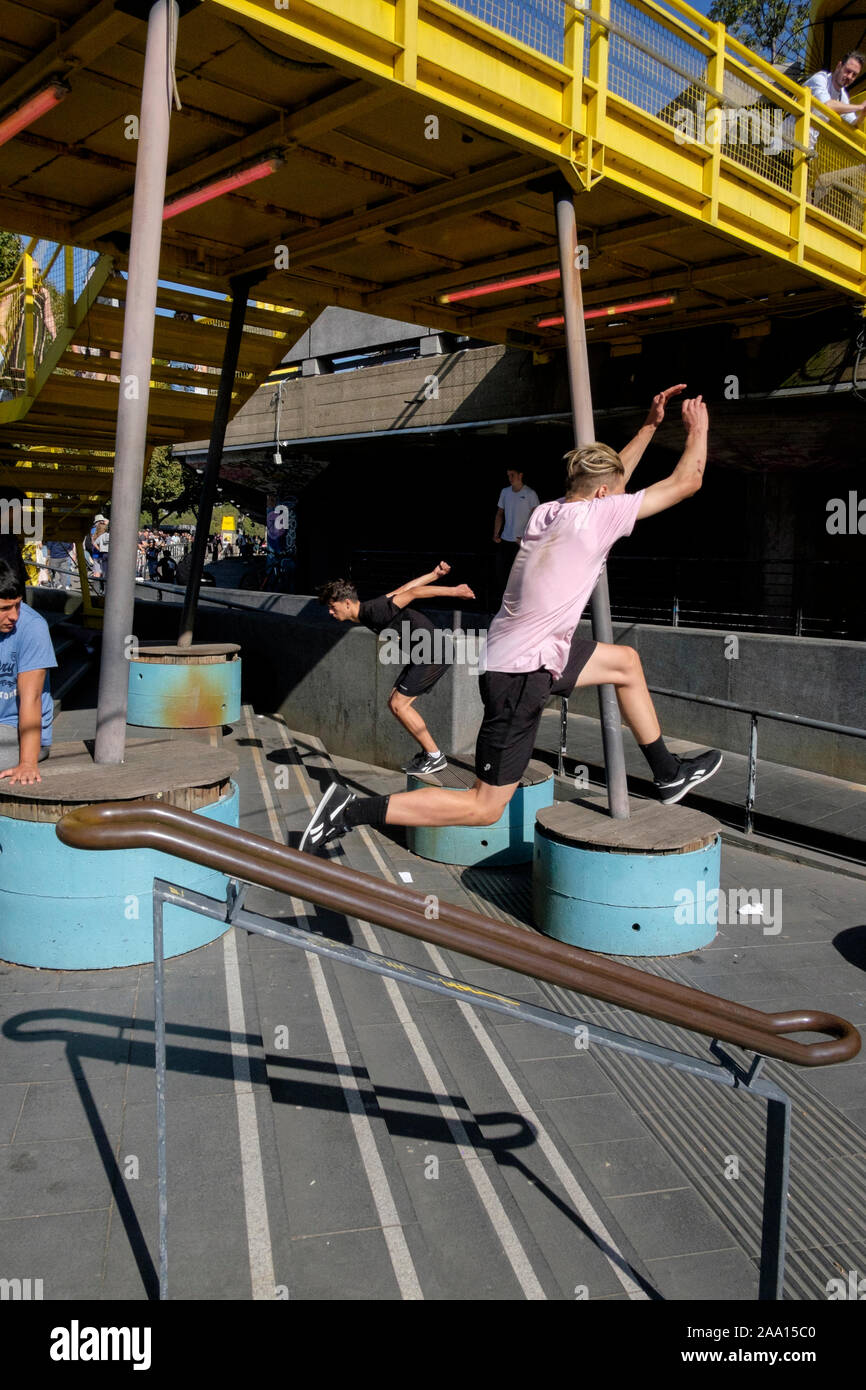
(518, 508)
(822, 86)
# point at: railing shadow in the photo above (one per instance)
(314, 1093)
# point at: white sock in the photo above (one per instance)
(434, 754)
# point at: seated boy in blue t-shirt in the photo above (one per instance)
(26, 706)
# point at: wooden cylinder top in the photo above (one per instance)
(650, 829)
(181, 773)
(203, 653)
(460, 773)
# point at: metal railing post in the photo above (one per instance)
(159, 1057)
(29, 326)
(753, 772)
(563, 735)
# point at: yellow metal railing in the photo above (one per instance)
(42, 303)
(651, 97)
(673, 68)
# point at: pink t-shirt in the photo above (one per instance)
(563, 549)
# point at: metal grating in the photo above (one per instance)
(540, 24)
(652, 83)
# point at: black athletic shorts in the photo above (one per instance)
(514, 702)
(417, 680)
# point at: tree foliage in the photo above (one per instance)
(163, 486)
(10, 253)
(776, 29)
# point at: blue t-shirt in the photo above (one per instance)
(26, 648)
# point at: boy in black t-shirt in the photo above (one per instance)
(418, 675)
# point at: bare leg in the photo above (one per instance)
(480, 805)
(621, 667)
(401, 706)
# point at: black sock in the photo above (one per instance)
(368, 810)
(663, 762)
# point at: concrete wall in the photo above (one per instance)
(473, 384)
(326, 680)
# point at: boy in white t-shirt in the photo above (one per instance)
(533, 650)
(516, 504)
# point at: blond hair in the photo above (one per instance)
(591, 466)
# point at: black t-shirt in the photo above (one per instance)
(382, 612)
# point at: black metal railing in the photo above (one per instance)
(804, 721)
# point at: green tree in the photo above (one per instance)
(10, 252)
(776, 29)
(163, 486)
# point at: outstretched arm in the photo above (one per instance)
(689, 472)
(403, 597)
(423, 580)
(633, 452)
(30, 684)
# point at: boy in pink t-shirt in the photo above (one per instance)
(533, 650)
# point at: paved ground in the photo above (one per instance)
(336, 1135)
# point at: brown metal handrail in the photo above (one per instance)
(237, 853)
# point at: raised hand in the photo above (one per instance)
(442, 569)
(695, 416)
(657, 409)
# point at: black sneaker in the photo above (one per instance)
(424, 763)
(690, 772)
(328, 821)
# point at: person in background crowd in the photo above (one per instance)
(61, 555)
(99, 548)
(517, 502)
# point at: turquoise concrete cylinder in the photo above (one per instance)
(509, 841)
(189, 695)
(74, 909)
(626, 904)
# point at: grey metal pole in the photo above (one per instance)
(239, 290)
(753, 773)
(584, 433)
(138, 328)
(160, 1061)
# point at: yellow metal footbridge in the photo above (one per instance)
(386, 156)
